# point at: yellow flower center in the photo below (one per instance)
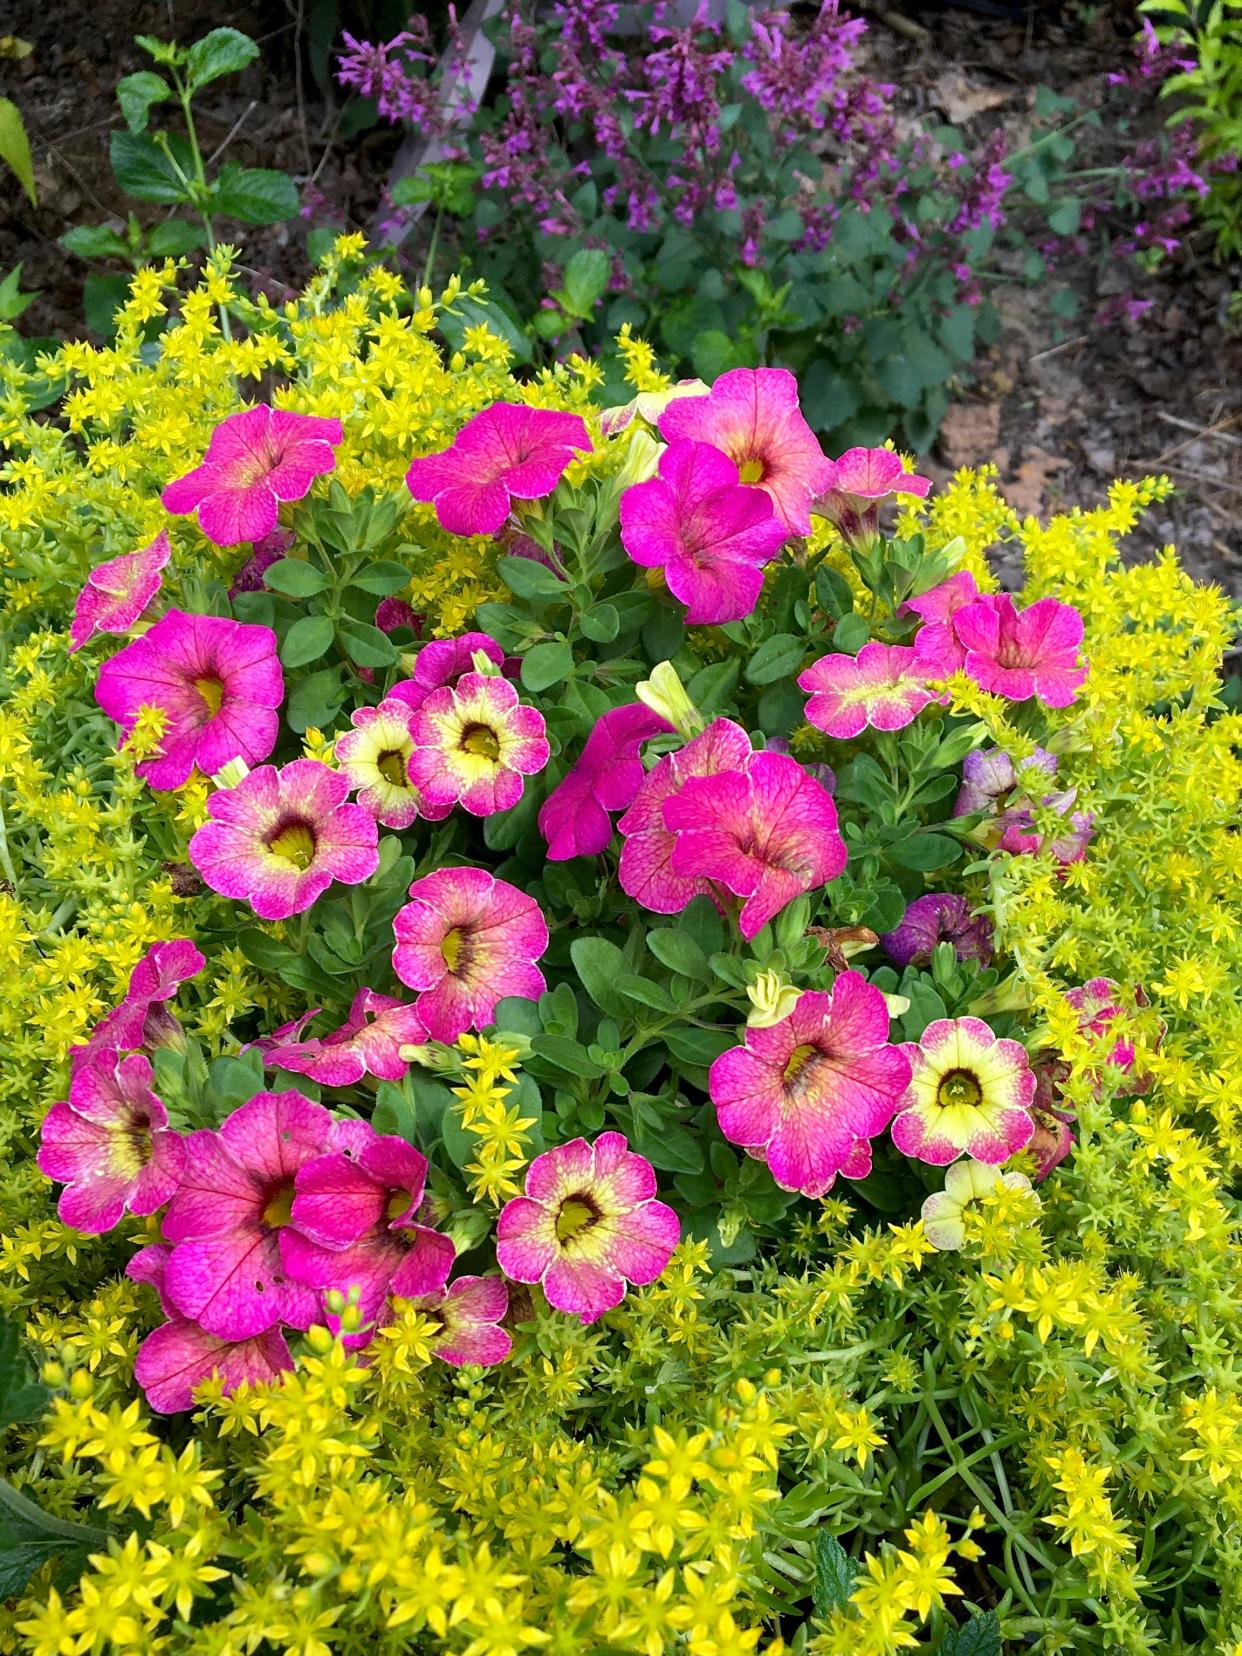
(279, 1209)
(398, 1203)
(577, 1214)
(212, 692)
(799, 1058)
(450, 948)
(959, 1089)
(391, 766)
(482, 741)
(294, 844)
(751, 471)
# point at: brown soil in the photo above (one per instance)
(1062, 413)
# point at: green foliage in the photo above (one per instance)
(15, 148)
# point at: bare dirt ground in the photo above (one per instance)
(1062, 417)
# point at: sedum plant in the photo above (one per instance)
(629, 1055)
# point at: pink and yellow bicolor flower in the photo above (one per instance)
(970, 1093)
(474, 744)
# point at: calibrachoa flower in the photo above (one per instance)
(1023, 653)
(752, 414)
(230, 1216)
(1099, 1005)
(1052, 1140)
(507, 451)
(969, 1093)
(767, 835)
(588, 1224)
(218, 683)
(648, 406)
(646, 871)
(179, 1355)
(884, 686)
(110, 1145)
(444, 661)
(939, 917)
(280, 837)
(988, 774)
(143, 1018)
(369, 1042)
(270, 550)
(469, 1312)
(1021, 834)
(807, 1094)
(966, 1182)
(356, 1226)
(117, 592)
(859, 483)
(939, 605)
(254, 461)
(375, 756)
(574, 818)
(473, 744)
(466, 940)
(710, 534)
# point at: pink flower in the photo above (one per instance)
(230, 1218)
(1020, 654)
(1099, 1004)
(710, 534)
(473, 744)
(989, 774)
(254, 461)
(143, 1019)
(375, 756)
(807, 1094)
(466, 940)
(587, 1225)
(752, 415)
(178, 1356)
(444, 661)
(271, 549)
(117, 592)
(969, 1094)
(860, 482)
(646, 872)
(280, 837)
(355, 1217)
(394, 614)
(941, 603)
(1052, 1140)
(884, 686)
(1022, 835)
(939, 917)
(506, 452)
(767, 835)
(469, 1312)
(110, 1146)
(574, 818)
(218, 683)
(368, 1043)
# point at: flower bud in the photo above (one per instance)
(665, 694)
(771, 998)
(482, 663)
(642, 457)
(230, 774)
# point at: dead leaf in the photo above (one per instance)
(969, 433)
(1027, 490)
(962, 100)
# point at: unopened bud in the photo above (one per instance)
(665, 694)
(481, 662)
(772, 999)
(230, 774)
(642, 458)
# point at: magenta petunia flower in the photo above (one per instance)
(446, 660)
(254, 462)
(646, 872)
(1052, 1140)
(149, 1265)
(110, 1145)
(939, 605)
(1099, 1004)
(588, 1224)
(574, 819)
(885, 686)
(1023, 653)
(117, 592)
(709, 533)
(466, 940)
(395, 615)
(969, 1094)
(752, 415)
(860, 482)
(143, 1018)
(356, 1226)
(473, 744)
(767, 835)
(369, 1042)
(218, 683)
(939, 917)
(271, 549)
(469, 1312)
(808, 1094)
(505, 452)
(375, 756)
(177, 1357)
(230, 1217)
(989, 774)
(280, 837)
